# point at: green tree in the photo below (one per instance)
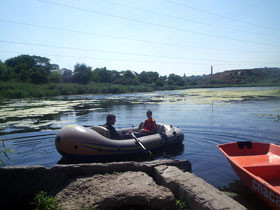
(44, 62)
(174, 79)
(4, 74)
(103, 75)
(129, 74)
(55, 77)
(54, 67)
(143, 77)
(148, 77)
(39, 75)
(160, 82)
(82, 73)
(28, 68)
(127, 78)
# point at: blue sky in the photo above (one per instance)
(167, 36)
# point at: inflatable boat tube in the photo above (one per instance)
(77, 143)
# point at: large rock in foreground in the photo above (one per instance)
(199, 194)
(20, 184)
(115, 191)
(141, 185)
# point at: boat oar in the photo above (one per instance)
(143, 147)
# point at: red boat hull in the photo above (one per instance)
(258, 166)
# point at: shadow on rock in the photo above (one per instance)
(242, 194)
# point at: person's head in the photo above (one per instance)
(149, 113)
(111, 118)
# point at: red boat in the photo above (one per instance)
(258, 166)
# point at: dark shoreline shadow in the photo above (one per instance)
(244, 195)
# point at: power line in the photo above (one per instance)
(221, 16)
(98, 58)
(127, 38)
(179, 18)
(122, 53)
(155, 24)
(124, 60)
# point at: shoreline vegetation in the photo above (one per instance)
(28, 76)
(15, 90)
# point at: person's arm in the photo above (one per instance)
(113, 132)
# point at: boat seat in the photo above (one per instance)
(101, 130)
(161, 128)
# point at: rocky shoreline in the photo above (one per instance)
(145, 185)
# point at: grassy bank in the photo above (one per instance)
(16, 90)
(11, 90)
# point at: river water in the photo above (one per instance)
(208, 117)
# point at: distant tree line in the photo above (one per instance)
(28, 76)
(39, 70)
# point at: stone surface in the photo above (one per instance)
(20, 184)
(198, 193)
(152, 184)
(116, 191)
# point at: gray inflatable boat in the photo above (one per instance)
(77, 143)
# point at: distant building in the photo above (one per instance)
(66, 74)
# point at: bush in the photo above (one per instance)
(181, 205)
(4, 152)
(55, 77)
(43, 201)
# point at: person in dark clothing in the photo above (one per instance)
(110, 121)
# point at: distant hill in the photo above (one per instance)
(256, 76)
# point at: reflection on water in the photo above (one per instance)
(207, 117)
(170, 152)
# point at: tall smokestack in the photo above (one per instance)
(211, 70)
